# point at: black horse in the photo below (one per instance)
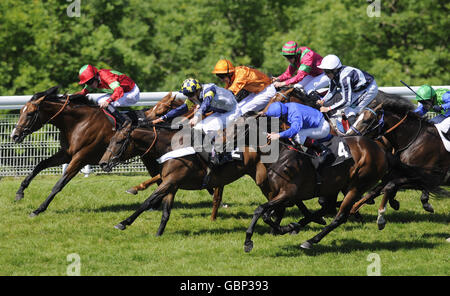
(423, 160)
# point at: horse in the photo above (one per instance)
(188, 172)
(289, 181)
(292, 180)
(85, 133)
(417, 145)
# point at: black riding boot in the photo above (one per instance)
(323, 151)
(120, 119)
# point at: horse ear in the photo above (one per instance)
(127, 124)
(380, 106)
(39, 100)
(52, 91)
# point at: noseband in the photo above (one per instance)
(379, 125)
(125, 143)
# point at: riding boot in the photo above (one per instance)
(323, 151)
(120, 119)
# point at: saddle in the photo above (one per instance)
(339, 150)
(135, 116)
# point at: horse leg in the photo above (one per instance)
(390, 190)
(56, 159)
(367, 197)
(217, 199)
(144, 185)
(72, 169)
(167, 204)
(424, 198)
(341, 217)
(248, 244)
(151, 202)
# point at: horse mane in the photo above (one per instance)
(395, 103)
(52, 95)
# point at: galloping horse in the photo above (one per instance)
(289, 181)
(417, 146)
(85, 133)
(292, 179)
(187, 172)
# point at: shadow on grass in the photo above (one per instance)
(406, 216)
(351, 245)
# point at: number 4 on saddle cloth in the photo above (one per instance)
(339, 149)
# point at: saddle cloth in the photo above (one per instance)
(443, 128)
(339, 149)
(176, 153)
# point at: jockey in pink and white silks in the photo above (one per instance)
(302, 70)
(357, 88)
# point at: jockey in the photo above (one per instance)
(357, 88)
(438, 100)
(304, 61)
(208, 98)
(121, 90)
(252, 88)
(306, 123)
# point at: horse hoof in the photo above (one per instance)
(33, 214)
(120, 226)
(320, 221)
(132, 191)
(428, 207)
(306, 245)
(19, 196)
(248, 246)
(394, 204)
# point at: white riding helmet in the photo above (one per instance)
(330, 62)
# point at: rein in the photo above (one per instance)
(396, 125)
(153, 143)
(60, 110)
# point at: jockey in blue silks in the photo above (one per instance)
(306, 123)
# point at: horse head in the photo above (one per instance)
(167, 103)
(369, 121)
(31, 118)
(118, 145)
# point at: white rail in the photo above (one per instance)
(151, 98)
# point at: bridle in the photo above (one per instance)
(371, 127)
(125, 143)
(28, 129)
(380, 124)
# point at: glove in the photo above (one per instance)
(242, 94)
(437, 108)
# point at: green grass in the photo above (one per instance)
(81, 218)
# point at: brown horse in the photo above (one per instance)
(417, 145)
(161, 108)
(292, 180)
(188, 172)
(289, 181)
(85, 133)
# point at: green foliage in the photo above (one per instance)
(160, 43)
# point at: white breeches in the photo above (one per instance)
(310, 83)
(128, 98)
(322, 131)
(257, 102)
